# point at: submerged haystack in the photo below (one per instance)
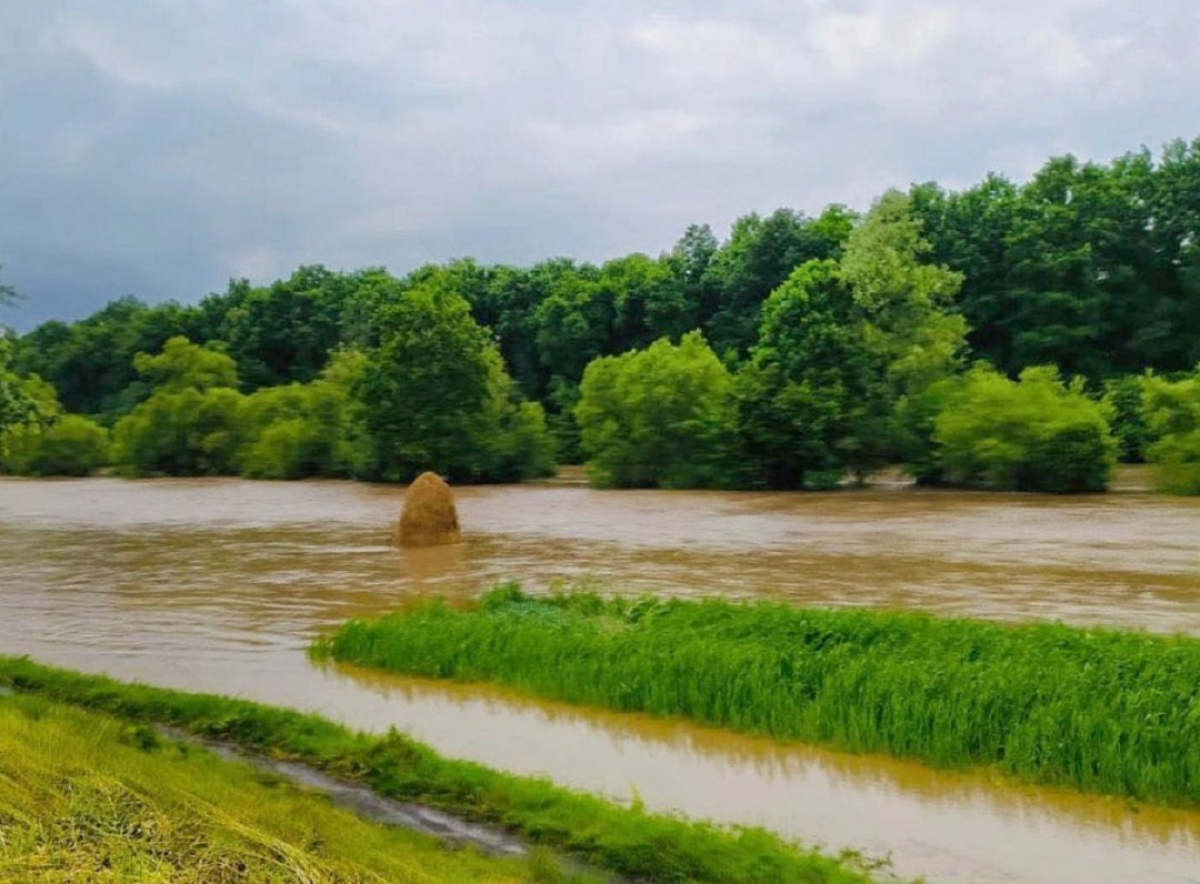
(429, 517)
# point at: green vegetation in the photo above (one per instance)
(846, 355)
(657, 417)
(841, 336)
(1172, 414)
(632, 843)
(1037, 434)
(437, 396)
(1092, 709)
(27, 406)
(88, 797)
(1125, 403)
(69, 445)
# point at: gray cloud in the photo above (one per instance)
(160, 148)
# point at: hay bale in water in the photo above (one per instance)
(429, 517)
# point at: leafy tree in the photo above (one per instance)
(508, 306)
(1036, 434)
(285, 449)
(689, 262)
(1172, 414)
(90, 363)
(190, 425)
(1089, 266)
(759, 255)
(15, 405)
(574, 322)
(27, 404)
(284, 332)
(183, 365)
(435, 394)
(648, 302)
(658, 417)
(807, 396)
(907, 324)
(968, 232)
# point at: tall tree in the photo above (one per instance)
(90, 362)
(809, 398)
(758, 256)
(285, 331)
(907, 321)
(435, 395)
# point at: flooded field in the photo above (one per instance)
(220, 585)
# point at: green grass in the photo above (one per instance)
(87, 797)
(629, 842)
(1096, 710)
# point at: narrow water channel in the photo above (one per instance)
(220, 585)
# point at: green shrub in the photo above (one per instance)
(185, 433)
(286, 449)
(1035, 434)
(658, 417)
(70, 446)
(524, 446)
(1172, 414)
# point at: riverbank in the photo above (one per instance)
(1095, 710)
(628, 842)
(90, 797)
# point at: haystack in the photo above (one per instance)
(429, 517)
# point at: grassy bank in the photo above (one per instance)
(1096, 710)
(629, 842)
(86, 797)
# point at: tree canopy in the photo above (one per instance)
(842, 341)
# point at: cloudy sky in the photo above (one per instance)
(160, 148)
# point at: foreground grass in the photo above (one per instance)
(85, 797)
(632, 843)
(1103, 711)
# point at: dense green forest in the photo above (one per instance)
(1018, 336)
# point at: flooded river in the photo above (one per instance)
(220, 585)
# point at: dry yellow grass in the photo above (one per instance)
(88, 798)
(429, 517)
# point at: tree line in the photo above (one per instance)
(997, 336)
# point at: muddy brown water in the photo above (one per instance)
(219, 585)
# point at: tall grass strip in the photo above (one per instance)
(1097, 710)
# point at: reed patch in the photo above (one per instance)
(1097, 710)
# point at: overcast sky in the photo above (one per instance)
(160, 148)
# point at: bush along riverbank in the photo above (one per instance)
(88, 797)
(631, 843)
(1096, 710)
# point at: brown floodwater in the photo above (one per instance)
(219, 585)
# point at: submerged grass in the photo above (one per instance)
(1098, 710)
(86, 797)
(630, 842)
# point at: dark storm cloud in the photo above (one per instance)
(160, 148)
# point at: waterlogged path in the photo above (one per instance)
(220, 585)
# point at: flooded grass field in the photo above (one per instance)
(219, 585)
